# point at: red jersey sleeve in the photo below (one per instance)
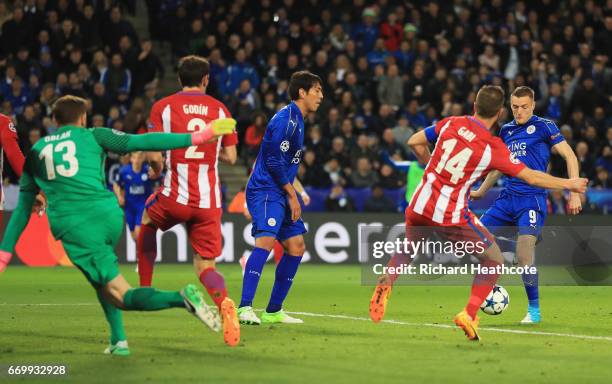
(503, 160)
(10, 144)
(155, 119)
(231, 139)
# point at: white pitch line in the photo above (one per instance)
(431, 325)
(356, 318)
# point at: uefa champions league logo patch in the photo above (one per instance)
(144, 177)
(531, 129)
(271, 221)
(284, 146)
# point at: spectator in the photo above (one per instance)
(115, 28)
(363, 176)
(314, 175)
(253, 137)
(585, 160)
(378, 202)
(390, 88)
(389, 178)
(334, 172)
(116, 78)
(391, 147)
(18, 96)
(401, 133)
(602, 180)
(238, 71)
(339, 152)
(244, 103)
(338, 200)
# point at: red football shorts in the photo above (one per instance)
(203, 224)
(418, 227)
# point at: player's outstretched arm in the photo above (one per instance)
(420, 146)
(544, 180)
(487, 184)
(19, 218)
(119, 194)
(573, 170)
(297, 184)
(229, 155)
(120, 142)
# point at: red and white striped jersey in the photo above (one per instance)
(465, 151)
(9, 146)
(192, 176)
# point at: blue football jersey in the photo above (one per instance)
(530, 143)
(137, 185)
(280, 152)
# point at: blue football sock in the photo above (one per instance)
(285, 272)
(531, 288)
(252, 273)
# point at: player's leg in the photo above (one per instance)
(278, 252)
(499, 220)
(283, 280)
(119, 292)
(146, 250)
(525, 250)
(268, 215)
(159, 213)
(484, 282)
(250, 280)
(85, 249)
(384, 286)
(204, 230)
(531, 218)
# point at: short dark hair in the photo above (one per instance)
(67, 109)
(523, 91)
(192, 69)
(489, 100)
(302, 80)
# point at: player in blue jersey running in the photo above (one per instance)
(132, 189)
(530, 138)
(273, 203)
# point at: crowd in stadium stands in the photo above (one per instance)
(389, 69)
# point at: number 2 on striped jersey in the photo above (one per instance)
(457, 163)
(195, 125)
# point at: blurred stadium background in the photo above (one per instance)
(390, 68)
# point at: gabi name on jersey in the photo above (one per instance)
(64, 135)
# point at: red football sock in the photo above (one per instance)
(396, 261)
(482, 285)
(278, 252)
(146, 250)
(215, 285)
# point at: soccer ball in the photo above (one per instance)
(496, 302)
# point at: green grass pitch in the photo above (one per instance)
(171, 345)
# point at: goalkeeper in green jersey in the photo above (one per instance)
(68, 167)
